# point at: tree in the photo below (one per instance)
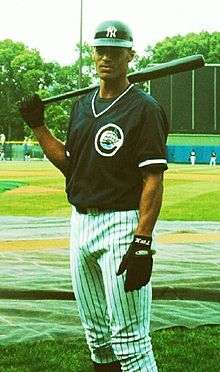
(207, 44)
(60, 79)
(88, 68)
(21, 71)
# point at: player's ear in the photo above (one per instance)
(131, 54)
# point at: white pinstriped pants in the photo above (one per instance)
(116, 323)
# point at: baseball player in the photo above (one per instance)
(213, 157)
(193, 157)
(113, 160)
(2, 146)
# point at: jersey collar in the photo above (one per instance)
(111, 104)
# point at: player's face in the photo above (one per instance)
(112, 62)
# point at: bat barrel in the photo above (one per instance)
(153, 72)
(168, 68)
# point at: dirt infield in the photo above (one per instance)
(194, 177)
(168, 238)
(36, 190)
(178, 238)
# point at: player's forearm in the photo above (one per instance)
(150, 203)
(53, 148)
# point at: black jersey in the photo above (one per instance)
(108, 149)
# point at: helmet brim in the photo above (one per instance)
(112, 42)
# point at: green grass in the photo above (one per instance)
(38, 205)
(193, 139)
(44, 195)
(191, 193)
(10, 185)
(175, 349)
(191, 200)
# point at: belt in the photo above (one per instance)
(96, 211)
(93, 211)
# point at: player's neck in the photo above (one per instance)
(112, 88)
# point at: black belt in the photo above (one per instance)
(96, 211)
(93, 210)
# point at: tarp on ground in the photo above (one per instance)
(185, 280)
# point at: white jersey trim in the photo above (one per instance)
(107, 108)
(152, 161)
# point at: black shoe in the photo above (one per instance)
(107, 367)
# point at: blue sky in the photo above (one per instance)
(52, 26)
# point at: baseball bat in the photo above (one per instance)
(154, 72)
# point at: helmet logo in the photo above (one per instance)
(111, 31)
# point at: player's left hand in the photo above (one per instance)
(138, 262)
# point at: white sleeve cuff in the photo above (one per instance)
(151, 162)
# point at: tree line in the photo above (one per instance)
(23, 71)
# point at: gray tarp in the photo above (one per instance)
(185, 281)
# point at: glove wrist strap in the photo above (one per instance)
(144, 242)
(142, 239)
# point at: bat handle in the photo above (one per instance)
(67, 95)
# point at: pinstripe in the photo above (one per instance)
(117, 328)
(121, 295)
(82, 285)
(136, 294)
(144, 304)
(106, 263)
(105, 315)
(78, 288)
(116, 304)
(109, 293)
(75, 278)
(99, 321)
(131, 294)
(88, 286)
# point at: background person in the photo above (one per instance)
(2, 146)
(113, 161)
(192, 157)
(27, 149)
(213, 158)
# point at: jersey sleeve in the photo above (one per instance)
(151, 153)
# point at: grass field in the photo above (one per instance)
(176, 350)
(191, 193)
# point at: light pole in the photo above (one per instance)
(80, 44)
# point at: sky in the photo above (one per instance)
(53, 26)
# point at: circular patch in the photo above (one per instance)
(109, 139)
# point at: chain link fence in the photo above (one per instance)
(18, 150)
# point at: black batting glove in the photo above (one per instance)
(32, 111)
(138, 263)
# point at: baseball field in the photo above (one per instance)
(191, 192)
(44, 333)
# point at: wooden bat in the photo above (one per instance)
(154, 72)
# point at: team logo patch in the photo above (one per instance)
(109, 139)
(111, 31)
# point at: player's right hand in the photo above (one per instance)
(32, 111)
